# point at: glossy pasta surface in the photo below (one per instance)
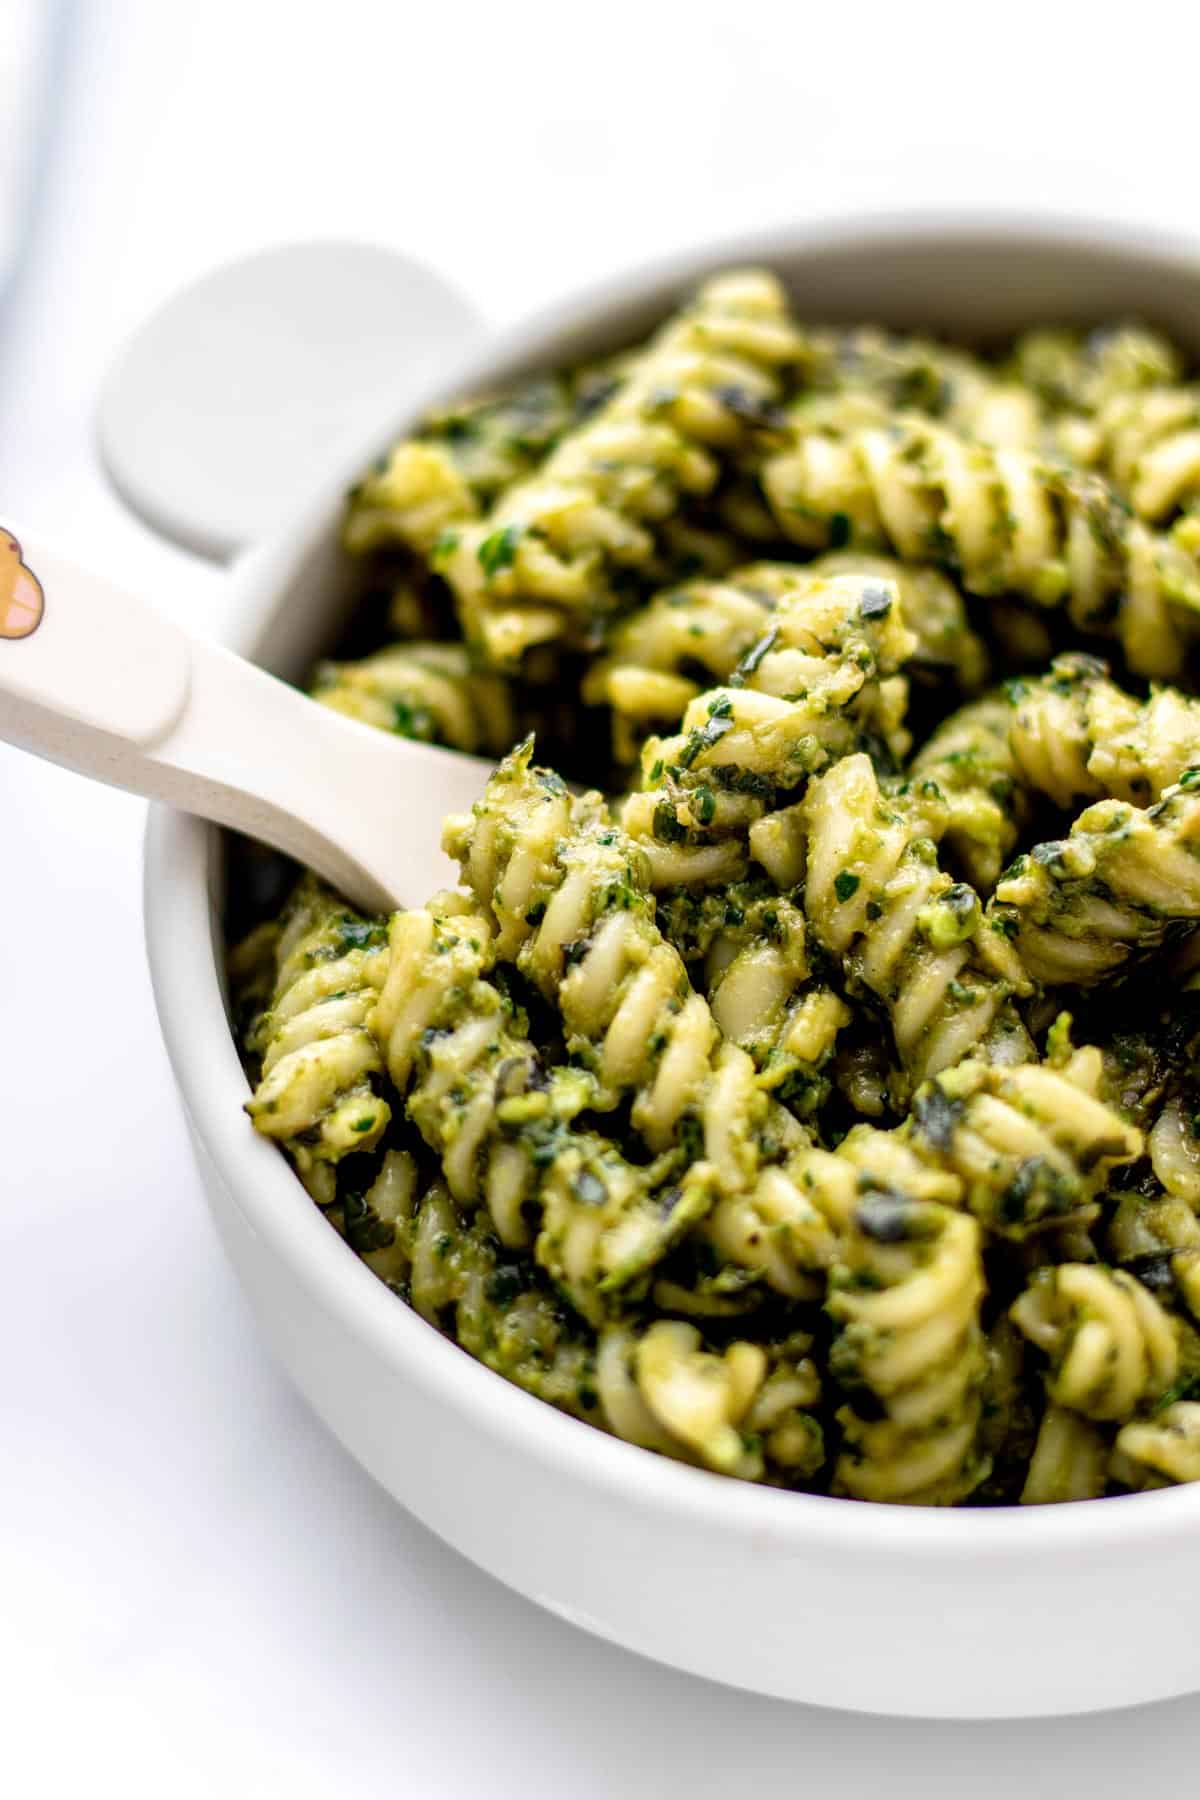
(804, 1080)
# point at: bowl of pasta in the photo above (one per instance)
(754, 1213)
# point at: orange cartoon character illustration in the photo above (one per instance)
(21, 599)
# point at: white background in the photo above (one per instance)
(199, 1593)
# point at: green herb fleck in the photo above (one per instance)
(498, 550)
(752, 660)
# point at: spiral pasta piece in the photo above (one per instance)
(1161, 1451)
(462, 457)
(947, 647)
(735, 1412)
(970, 759)
(693, 636)
(1148, 442)
(819, 683)
(909, 1352)
(781, 1228)
(454, 1271)
(378, 1221)
(1031, 1144)
(765, 999)
(1111, 1346)
(1077, 909)
(746, 948)
(1156, 1237)
(1080, 372)
(785, 1227)
(707, 923)
(1006, 521)
(1154, 1227)
(424, 691)
(501, 1124)
(569, 896)
(1069, 1461)
(1173, 1146)
(1075, 735)
(1146, 1230)
(911, 373)
(903, 930)
(555, 554)
(685, 639)
(251, 968)
(318, 1093)
(1051, 732)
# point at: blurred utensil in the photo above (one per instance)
(29, 34)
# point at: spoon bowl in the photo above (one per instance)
(224, 401)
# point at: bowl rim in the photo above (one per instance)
(181, 871)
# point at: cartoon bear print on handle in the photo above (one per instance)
(21, 599)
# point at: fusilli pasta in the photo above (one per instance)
(1111, 1346)
(553, 556)
(903, 930)
(318, 1091)
(425, 691)
(1004, 520)
(906, 1298)
(1076, 909)
(780, 1103)
(819, 682)
(502, 1124)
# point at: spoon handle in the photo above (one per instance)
(89, 676)
(96, 679)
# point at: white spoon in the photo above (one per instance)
(260, 374)
(96, 679)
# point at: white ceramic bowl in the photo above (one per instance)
(878, 1608)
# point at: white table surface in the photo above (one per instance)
(199, 1593)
